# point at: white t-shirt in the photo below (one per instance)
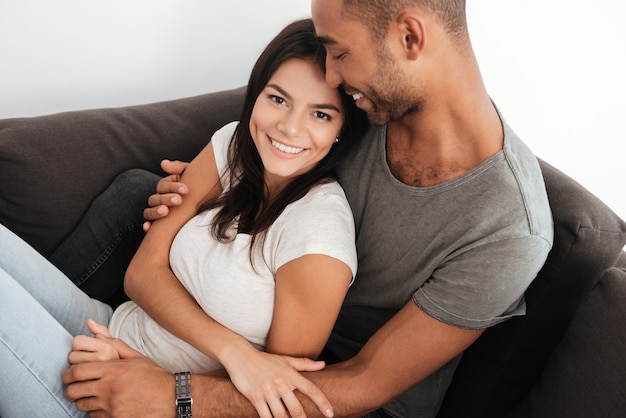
(222, 280)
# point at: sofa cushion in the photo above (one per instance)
(497, 371)
(53, 166)
(586, 374)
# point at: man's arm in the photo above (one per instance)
(406, 350)
(136, 387)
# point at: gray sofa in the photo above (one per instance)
(565, 358)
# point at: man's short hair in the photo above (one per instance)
(378, 14)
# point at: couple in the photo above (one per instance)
(451, 217)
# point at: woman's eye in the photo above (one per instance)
(277, 99)
(322, 115)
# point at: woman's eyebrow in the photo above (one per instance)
(328, 106)
(280, 90)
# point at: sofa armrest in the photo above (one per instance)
(53, 166)
(585, 374)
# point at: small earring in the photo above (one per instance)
(336, 139)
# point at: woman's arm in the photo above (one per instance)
(153, 286)
(150, 282)
(309, 294)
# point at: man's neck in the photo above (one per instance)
(445, 139)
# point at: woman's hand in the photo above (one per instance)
(101, 347)
(268, 381)
(86, 349)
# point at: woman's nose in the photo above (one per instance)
(293, 123)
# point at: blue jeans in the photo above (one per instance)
(40, 312)
(96, 254)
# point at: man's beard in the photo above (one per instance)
(390, 108)
(388, 92)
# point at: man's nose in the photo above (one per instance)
(333, 73)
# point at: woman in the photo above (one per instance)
(264, 246)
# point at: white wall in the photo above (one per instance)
(70, 54)
(555, 68)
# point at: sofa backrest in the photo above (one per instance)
(52, 167)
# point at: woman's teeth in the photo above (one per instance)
(357, 96)
(285, 148)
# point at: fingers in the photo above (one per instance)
(173, 167)
(78, 374)
(165, 199)
(169, 193)
(303, 364)
(310, 390)
(286, 404)
(81, 384)
(153, 214)
(96, 328)
(271, 406)
(123, 350)
(289, 400)
(87, 349)
(264, 411)
(171, 184)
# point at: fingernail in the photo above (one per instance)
(329, 413)
(161, 210)
(175, 200)
(181, 190)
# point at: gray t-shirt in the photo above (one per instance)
(464, 250)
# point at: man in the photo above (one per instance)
(451, 214)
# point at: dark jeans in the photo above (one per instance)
(96, 254)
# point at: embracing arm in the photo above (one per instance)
(392, 361)
(406, 350)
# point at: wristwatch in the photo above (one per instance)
(183, 394)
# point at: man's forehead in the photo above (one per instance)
(329, 21)
(325, 12)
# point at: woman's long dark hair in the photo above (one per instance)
(245, 202)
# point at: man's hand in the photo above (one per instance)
(123, 388)
(169, 192)
(131, 387)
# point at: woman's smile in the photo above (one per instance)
(285, 148)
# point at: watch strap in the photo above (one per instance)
(183, 394)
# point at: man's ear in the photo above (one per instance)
(413, 30)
